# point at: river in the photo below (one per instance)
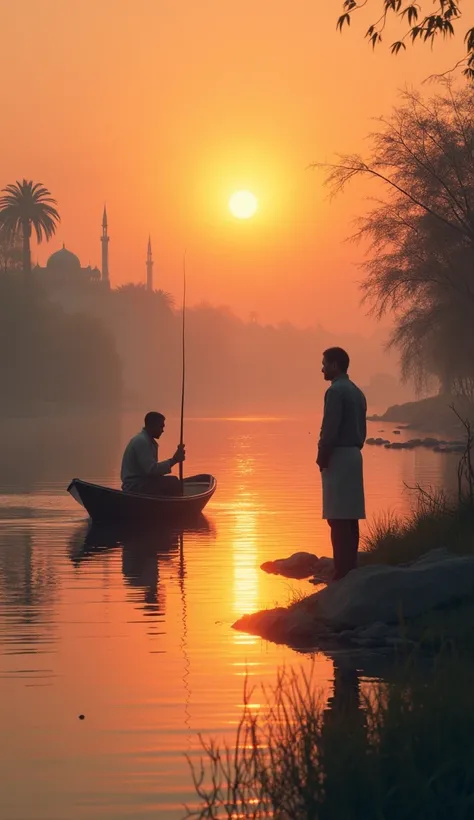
(137, 637)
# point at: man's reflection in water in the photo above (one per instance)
(141, 561)
(345, 702)
(344, 744)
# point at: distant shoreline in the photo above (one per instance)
(433, 414)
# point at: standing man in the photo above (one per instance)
(343, 434)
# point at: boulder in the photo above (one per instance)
(323, 571)
(366, 606)
(299, 565)
(296, 625)
(268, 623)
(302, 629)
(386, 593)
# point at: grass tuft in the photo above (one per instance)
(437, 521)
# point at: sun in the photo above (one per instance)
(243, 204)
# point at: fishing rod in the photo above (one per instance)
(183, 366)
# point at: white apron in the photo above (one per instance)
(343, 485)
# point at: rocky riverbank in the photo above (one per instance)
(374, 606)
(434, 414)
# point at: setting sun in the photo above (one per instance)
(243, 204)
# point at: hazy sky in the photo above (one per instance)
(163, 108)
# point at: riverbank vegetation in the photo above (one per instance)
(374, 751)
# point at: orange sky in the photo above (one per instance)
(165, 107)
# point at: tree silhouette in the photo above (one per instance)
(422, 23)
(24, 207)
(138, 295)
(421, 235)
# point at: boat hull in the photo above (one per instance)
(106, 505)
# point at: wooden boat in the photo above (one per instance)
(107, 505)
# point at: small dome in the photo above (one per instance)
(64, 261)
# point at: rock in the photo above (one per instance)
(297, 625)
(267, 623)
(323, 571)
(299, 565)
(301, 630)
(385, 593)
(367, 605)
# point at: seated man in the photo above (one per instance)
(141, 471)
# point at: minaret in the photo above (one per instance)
(149, 267)
(105, 250)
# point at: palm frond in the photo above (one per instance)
(29, 203)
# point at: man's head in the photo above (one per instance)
(335, 363)
(154, 424)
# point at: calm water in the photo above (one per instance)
(137, 636)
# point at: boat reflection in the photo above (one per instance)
(142, 552)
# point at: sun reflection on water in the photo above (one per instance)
(245, 555)
(245, 544)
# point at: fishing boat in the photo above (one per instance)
(107, 505)
(104, 504)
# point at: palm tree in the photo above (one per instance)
(25, 206)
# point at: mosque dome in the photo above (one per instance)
(64, 261)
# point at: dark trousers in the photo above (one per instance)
(156, 485)
(345, 544)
